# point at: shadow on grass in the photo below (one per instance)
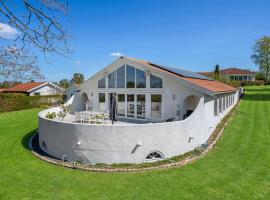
(26, 138)
(257, 94)
(257, 97)
(257, 89)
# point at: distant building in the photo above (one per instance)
(233, 74)
(35, 88)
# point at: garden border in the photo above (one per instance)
(215, 136)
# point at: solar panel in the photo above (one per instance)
(184, 73)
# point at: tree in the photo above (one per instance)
(216, 72)
(55, 82)
(5, 84)
(259, 76)
(18, 64)
(77, 78)
(261, 55)
(34, 25)
(8, 84)
(64, 83)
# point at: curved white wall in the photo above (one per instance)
(118, 143)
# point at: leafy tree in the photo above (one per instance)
(77, 78)
(216, 72)
(55, 82)
(259, 76)
(64, 83)
(261, 55)
(5, 84)
(8, 84)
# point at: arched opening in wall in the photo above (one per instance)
(84, 102)
(189, 105)
(154, 156)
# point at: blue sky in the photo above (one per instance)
(193, 35)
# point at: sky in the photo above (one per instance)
(189, 34)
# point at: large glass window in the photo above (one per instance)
(130, 105)
(101, 83)
(130, 81)
(156, 105)
(101, 100)
(155, 82)
(141, 106)
(140, 79)
(112, 80)
(121, 104)
(121, 77)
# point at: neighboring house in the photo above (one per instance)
(71, 90)
(35, 88)
(233, 74)
(162, 112)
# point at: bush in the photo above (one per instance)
(50, 115)
(15, 101)
(259, 82)
(259, 76)
(247, 83)
(267, 82)
(252, 83)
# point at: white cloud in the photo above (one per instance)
(8, 32)
(116, 54)
(77, 62)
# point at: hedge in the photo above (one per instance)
(252, 83)
(11, 102)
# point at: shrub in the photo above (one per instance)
(247, 83)
(64, 110)
(50, 115)
(259, 82)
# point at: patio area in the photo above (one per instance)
(94, 117)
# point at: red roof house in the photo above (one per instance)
(34, 88)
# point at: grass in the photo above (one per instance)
(238, 167)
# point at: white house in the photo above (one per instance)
(162, 111)
(71, 90)
(35, 88)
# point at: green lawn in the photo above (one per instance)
(238, 168)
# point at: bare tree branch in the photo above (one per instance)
(37, 25)
(18, 64)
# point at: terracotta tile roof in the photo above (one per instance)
(214, 86)
(211, 85)
(24, 87)
(2, 89)
(235, 71)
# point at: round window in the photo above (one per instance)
(154, 156)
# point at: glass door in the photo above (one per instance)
(130, 105)
(140, 106)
